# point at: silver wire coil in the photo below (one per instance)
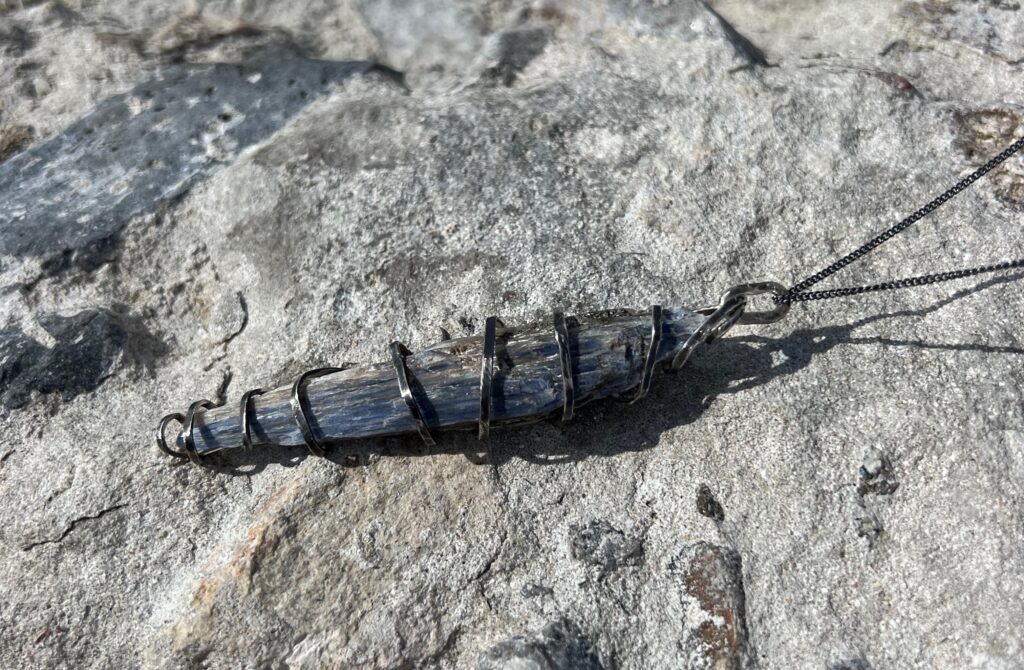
(729, 311)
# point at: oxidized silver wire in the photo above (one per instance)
(243, 416)
(657, 323)
(189, 427)
(724, 316)
(731, 310)
(398, 354)
(161, 441)
(487, 376)
(299, 402)
(565, 358)
(749, 290)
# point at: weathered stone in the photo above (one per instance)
(16, 39)
(507, 53)
(599, 543)
(535, 590)
(13, 139)
(869, 527)
(876, 475)
(982, 134)
(19, 358)
(85, 346)
(558, 646)
(66, 199)
(707, 505)
(638, 157)
(431, 35)
(851, 664)
(712, 578)
(745, 49)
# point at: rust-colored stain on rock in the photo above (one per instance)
(712, 575)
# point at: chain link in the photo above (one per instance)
(799, 292)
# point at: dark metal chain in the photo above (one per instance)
(923, 280)
(799, 292)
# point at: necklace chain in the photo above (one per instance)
(799, 292)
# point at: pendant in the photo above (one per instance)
(506, 376)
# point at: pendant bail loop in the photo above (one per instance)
(750, 290)
(730, 311)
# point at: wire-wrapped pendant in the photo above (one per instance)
(507, 375)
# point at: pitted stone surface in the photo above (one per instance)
(69, 198)
(839, 490)
(558, 646)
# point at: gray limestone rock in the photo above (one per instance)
(707, 505)
(601, 544)
(507, 53)
(877, 475)
(85, 346)
(569, 154)
(68, 199)
(558, 646)
(19, 357)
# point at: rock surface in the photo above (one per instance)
(842, 489)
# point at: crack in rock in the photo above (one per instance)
(71, 527)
